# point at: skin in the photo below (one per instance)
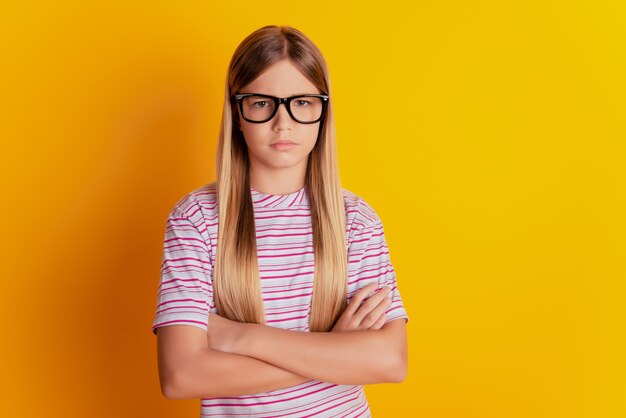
(282, 172)
(273, 171)
(337, 356)
(194, 364)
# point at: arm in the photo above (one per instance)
(351, 358)
(189, 369)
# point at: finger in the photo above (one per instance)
(358, 297)
(369, 311)
(380, 322)
(372, 314)
(357, 310)
(377, 298)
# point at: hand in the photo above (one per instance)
(369, 315)
(222, 333)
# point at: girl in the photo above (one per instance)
(277, 294)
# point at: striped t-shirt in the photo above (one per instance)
(285, 256)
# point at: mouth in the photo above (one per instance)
(283, 145)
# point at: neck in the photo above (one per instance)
(278, 181)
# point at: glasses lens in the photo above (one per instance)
(306, 109)
(257, 108)
(260, 108)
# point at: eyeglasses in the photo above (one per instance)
(260, 108)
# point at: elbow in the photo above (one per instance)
(179, 386)
(168, 392)
(170, 388)
(398, 369)
(175, 385)
(168, 379)
(397, 373)
(401, 372)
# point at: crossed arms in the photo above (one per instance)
(233, 358)
(278, 358)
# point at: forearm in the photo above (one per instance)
(354, 357)
(214, 373)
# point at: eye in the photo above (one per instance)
(259, 101)
(302, 102)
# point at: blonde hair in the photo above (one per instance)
(236, 279)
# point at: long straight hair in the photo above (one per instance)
(236, 278)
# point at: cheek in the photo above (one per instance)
(254, 134)
(311, 134)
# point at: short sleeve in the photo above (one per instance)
(184, 294)
(369, 250)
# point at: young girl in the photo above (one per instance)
(277, 294)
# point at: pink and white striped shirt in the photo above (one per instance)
(285, 254)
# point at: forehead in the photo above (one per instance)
(281, 79)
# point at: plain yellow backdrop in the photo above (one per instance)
(490, 137)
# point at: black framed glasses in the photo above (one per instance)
(260, 108)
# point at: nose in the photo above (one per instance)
(282, 118)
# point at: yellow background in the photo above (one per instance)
(488, 135)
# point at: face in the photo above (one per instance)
(282, 79)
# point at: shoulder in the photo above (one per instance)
(360, 214)
(198, 202)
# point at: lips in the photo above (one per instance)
(283, 145)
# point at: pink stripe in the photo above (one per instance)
(284, 235)
(289, 297)
(182, 239)
(285, 255)
(309, 267)
(182, 246)
(284, 242)
(320, 387)
(283, 312)
(274, 401)
(283, 216)
(188, 258)
(316, 404)
(180, 300)
(179, 309)
(336, 406)
(293, 318)
(178, 320)
(363, 407)
(176, 280)
(281, 308)
(283, 228)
